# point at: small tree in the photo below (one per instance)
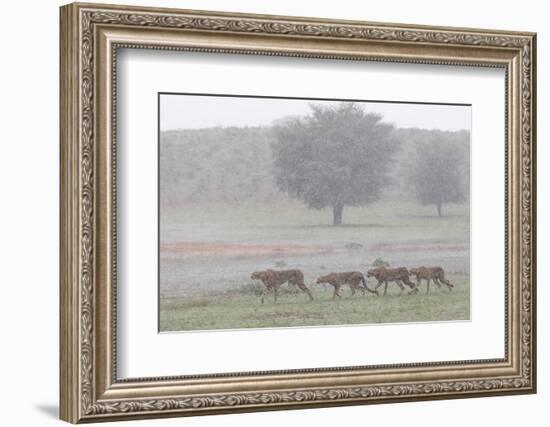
(338, 156)
(437, 175)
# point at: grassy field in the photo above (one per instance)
(242, 308)
(207, 253)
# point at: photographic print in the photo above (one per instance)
(292, 212)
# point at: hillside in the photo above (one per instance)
(235, 165)
(217, 164)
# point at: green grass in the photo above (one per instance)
(214, 291)
(293, 221)
(241, 308)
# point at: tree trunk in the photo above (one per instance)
(337, 211)
(439, 208)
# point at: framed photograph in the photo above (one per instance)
(266, 212)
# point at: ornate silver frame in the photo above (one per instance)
(90, 36)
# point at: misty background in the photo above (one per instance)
(248, 184)
(220, 149)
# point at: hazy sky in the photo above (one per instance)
(194, 112)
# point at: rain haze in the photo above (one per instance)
(345, 218)
(203, 111)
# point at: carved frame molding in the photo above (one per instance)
(90, 390)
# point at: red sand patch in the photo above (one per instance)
(236, 249)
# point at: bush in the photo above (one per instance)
(379, 262)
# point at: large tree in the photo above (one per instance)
(439, 172)
(339, 155)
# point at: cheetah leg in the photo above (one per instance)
(401, 287)
(414, 288)
(306, 290)
(450, 286)
(264, 293)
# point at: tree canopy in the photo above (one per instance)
(337, 156)
(439, 172)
